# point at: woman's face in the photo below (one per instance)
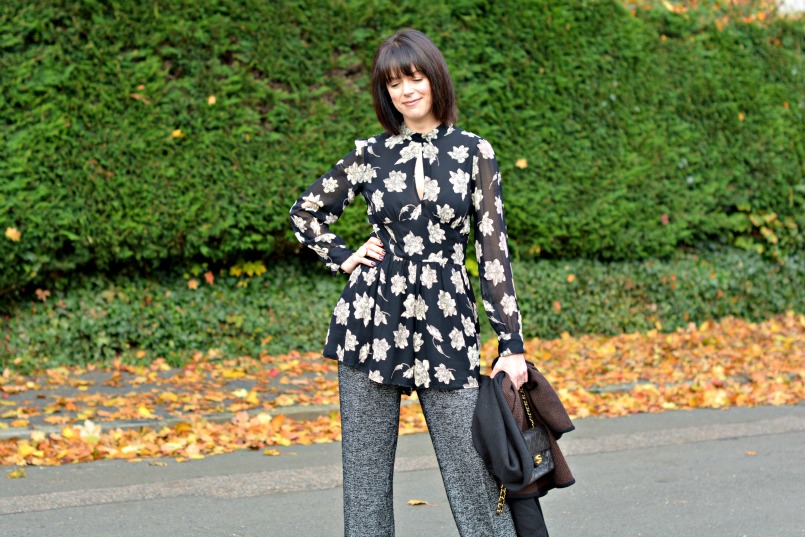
(412, 98)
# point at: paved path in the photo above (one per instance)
(673, 474)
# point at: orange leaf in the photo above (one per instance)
(13, 234)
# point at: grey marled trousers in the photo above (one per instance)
(370, 415)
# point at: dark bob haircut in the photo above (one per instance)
(404, 52)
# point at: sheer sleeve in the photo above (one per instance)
(492, 251)
(322, 204)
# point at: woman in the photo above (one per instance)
(407, 318)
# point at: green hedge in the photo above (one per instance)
(95, 320)
(641, 132)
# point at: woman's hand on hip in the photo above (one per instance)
(371, 250)
(514, 366)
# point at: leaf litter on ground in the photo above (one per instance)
(76, 412)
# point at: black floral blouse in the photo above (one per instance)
(411, 320)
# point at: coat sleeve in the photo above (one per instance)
(323, 203)
(492, 252)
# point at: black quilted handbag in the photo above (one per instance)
(539, 445)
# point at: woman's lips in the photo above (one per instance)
(412, 103)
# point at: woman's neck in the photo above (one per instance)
(423, 126)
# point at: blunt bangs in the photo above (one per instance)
(394, 62)
(404, 53)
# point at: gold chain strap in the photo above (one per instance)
(501, 500)
(527, 407)
(502, 495)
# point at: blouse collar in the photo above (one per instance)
(406, 132)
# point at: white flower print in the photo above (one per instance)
(413, 244)
(312, 203)
(428, 277)
(474, 355)
(341, 312)
(443, 374)
(415, 307)
(401, 336)
(509, 304)
(472, 382)
(350, 341)
(339, 352)
(445, 213)
(493, 271)
(459, 153)
(380, 348)
(354, 275)
(370, 276)
(435, 232)
(430, 152)
(486, 149)
(299, 223)
(375, 376)
(325, 237)
(360, 173)
(435, 333)
(465, 228)
(459, 179)
(321, 251)
(446, 303)
(391, 141)
(363, 305)
(416, 211)
(437, 257)
(330, 219)
(499, 205)
(431, 189)
(329, 185)
(479, 252)
(409, 152)
(489, 307)
(408, 373)
(457, 339)
(363, 354)
(503, 244)
(377, 200)
(380, 316)
(457, 280)
(412, 273)
(469, 326)
(458, 254)
(395, 182)
(485, 226)
(421, 376)
(477, 197)
(398, 284)
(418, 341)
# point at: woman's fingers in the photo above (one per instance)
(514, 366)
(373, 248)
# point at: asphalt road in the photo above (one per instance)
(708, 473)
